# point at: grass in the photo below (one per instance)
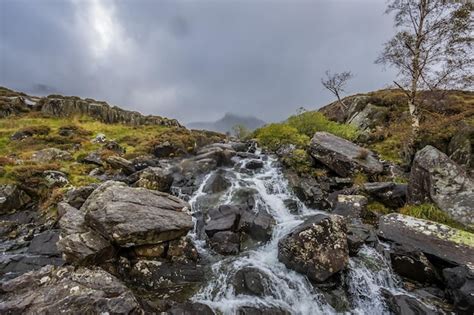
(378, 207)
(430, 212)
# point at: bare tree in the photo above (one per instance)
(336, 83)
(432, 49)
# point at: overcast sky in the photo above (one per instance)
(193, 60)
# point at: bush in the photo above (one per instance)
(299, 161)
(273, 136)
(308, 123)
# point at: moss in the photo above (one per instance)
(359, 179)
(463, 237)
(431, 212)
(377, 207)
(299, 161)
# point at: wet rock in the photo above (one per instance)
(317, 248)
(245, 198)
(309, 190)
(251, 281)
(216, 183)
(92, 158)
(136, 216)
(52, 290)
(79, 244)
(292, 205)
(414, 265)
(182, 250)
(407, 305)
(261, 310)
(258, 225)
(254, 164)
(223, 218)
(351, 206)
(45, 244)
(448, 244)
(120, 163)
(342, 156)
(222, 156)
(154, 178)
(436, 178)
(77, 196)
(460, 287)
(390, 194)
(225, 242)
(359, 234)
(12, 198)
(51, 155)
(190, 309)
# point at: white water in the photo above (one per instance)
(289, 290)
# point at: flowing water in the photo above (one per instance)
(286, 289)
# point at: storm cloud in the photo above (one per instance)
(193, 60)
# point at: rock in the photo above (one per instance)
(258, 225)
(166, 149)
(414, 265)
(12, 198)
(120, 163)
(351, 206)
(77, 196)
(317, 248)
(45, 244)
(359, 234)
(136, 216)
(216, 183)
(342, 156)
(261, 310)
(53, 290)
(92, 158)
(225, 242)
(251, 281)
(114, 147)
(254, 164)
(292, 205)
(223, 218)
(155, 178)
(190, 309)
(155, 250)
(436, 178)
(55, 178)
(51, 155)
(17, 264)
(143, 161)
(460, 147)
(407, 305)
(390, 194)
(460, 288)
(222, 156)
(309, 190)
(66, 131)
(78, 243)
(434, 239)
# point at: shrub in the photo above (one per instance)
(362, 154)
(273, 136)
(308, 123)
(359, 179)
(299, 161)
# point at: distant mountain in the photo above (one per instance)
(226, 123)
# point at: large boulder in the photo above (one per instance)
(12, 198)
(216, 183)
(77, 196)
(120, 163)
(438, 240)
(317, 248)
(352, 207)
(155, 178)
(309, 190)
(136, 216)
(460, 148)
(251, 281)
(436, 178)
(460, 288)
(342, 156)
(53, 290)
(391, 194)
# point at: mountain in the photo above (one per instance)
(226, 123)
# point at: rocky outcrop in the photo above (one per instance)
(12, 198)
(317, 248)
(342, 156)
(53, 290)
(434, 239)
(136, 216)
(436, 178)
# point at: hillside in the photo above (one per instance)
(226, 123)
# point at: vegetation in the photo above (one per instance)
(273, 136)
(377, 207)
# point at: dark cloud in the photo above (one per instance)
(193, 60)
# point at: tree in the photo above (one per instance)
(336, 83)
(432, 48)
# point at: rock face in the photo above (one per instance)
(136, 216)
(317, 248)
(53, 290)
(441, 241)
(436, 178)
(342, 156)
(12, 198)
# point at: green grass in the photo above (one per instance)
(378, 207)
(273, 136)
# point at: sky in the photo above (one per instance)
(193, 60)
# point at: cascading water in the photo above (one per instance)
(285, 289)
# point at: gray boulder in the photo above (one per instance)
(12, 198)
(436, 178)
(392, 195)
(77, 196)
(251, 281)
(438, 240)
(53, 290)
(225, 242)
(45, 244)
(351, 206)
(216, 183)
(154, 178)
(317, 248)
(136, 216)
(342, 156)
(120, 163)
(51, 155)
(460, 288)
